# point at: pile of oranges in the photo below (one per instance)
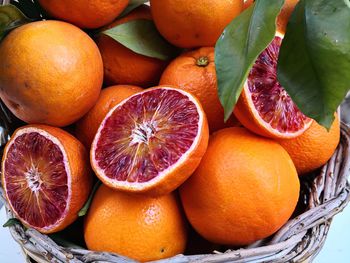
(232, 185)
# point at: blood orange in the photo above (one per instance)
(264, 106)
(46, 177)
(87, 126)
(151, 142)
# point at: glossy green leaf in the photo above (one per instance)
(239, 46)
(86, 207)
(10, 18)
(142, 37)
(132, 5)
(314, 61)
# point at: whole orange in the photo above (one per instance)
(194, 72)
(245, 188)
(91, 14)
(51, 72)
(135, 226)
(190, 24)
(87, 127)
(314, 147)
(124, 66)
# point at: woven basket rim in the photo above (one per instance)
(299, 239)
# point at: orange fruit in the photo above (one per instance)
(190, 24)
(264, 107)
(286, 12)
(94, 14)
(194, 72)
(151, 142)
(245, 188)
(46, 177)
(87, 127)
(135, 226)
(247, 4)
(124, 66)
(51, 72)
(283, 17)
(314, 147)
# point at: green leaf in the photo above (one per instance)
(314, 60)
(86, 207)
(11, 222)
(132, 5)
(239, 46)
(10, 18)
(142, 37)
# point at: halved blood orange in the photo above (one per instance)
(151, 142)
(46, 177)
(264, 107)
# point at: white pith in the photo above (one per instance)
(33, 177)
(142, 133)
(145, 185)
(261, 120)
(66, 165)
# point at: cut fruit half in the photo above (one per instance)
(264, 107)
(151, 142)
(46, 177)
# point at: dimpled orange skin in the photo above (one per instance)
(81, 179)
(194, 72)
(245, 188)
(138, 227)
(94, 14)
(124, 66)
(190, 24)
(87, 127)
(314, 147)
(51, 72)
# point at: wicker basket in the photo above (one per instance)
(324, 195)
(299, 240)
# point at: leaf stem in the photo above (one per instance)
(86, 207)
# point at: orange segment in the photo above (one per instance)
(46, 177)
(264, 106)
(151, 142)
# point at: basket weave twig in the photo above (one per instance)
(299, 240)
